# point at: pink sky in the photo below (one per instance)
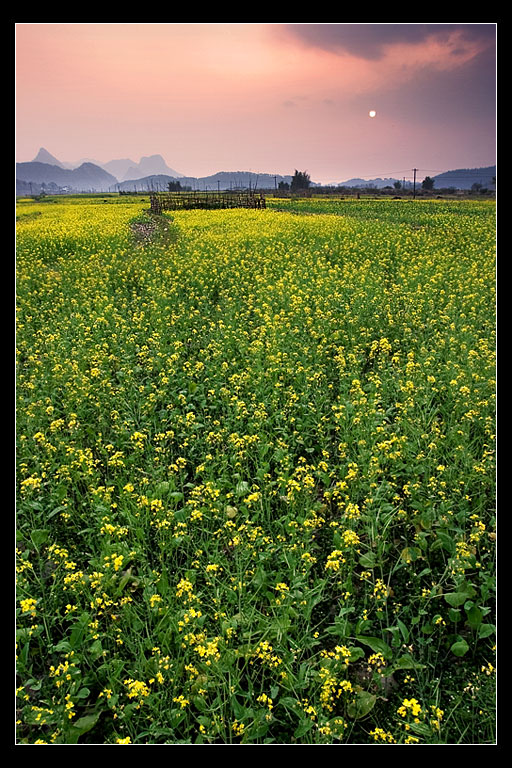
(263, 97)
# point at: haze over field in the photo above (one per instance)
(337, 100)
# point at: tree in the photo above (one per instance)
(397, 185)
(427, 183)
(283, 185)
(174, 186)
(300, 180)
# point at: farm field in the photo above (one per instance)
(256, 473)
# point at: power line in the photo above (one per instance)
(469, 172)
(409, 175)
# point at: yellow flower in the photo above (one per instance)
(28, 605)
(238, 728)
(379, 734)
(265, 700)
(334, 560)
(350, 538)
(409, 704)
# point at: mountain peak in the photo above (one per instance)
(153, 164)
(43, 156)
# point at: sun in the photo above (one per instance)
(372, 113)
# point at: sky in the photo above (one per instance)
(266, 98)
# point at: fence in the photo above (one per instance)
(172, 201)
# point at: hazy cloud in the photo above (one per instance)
(369, 41)
(465, 93)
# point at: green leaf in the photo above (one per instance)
(124, 581)
(63, 646)
(76, 635)
(355, 653)
(447, 542)
(463, 593)
(376, 644)
(475, 617)
(460, 648)
(96, 649)
(363, 704)
(55, 512)
(81, 726)
(291, 704)
(241, 487)
(367, 560)
(485, 630)
(456, 598)
(303, 728)
(421, 729)
(410, 554)
(403, 630)
(406, 662)
(39, 536)
(163, 584)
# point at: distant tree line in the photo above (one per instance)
(175, 186)
(300, 181)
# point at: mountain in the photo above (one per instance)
(464, 178)
(222, 180)
(78, 163)
(148, 166)
(43, 156)
(379, 183)
(117, 168)
(121, 169)
(87, 177)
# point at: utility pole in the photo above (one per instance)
(414, 185)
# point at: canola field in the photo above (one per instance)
(255, 473)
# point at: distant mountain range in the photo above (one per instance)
(463, 178)
(84, 178)
(120, 169)
(147, 166)
(374, 183)
(217, 181)
(152, 173)
(86, 175)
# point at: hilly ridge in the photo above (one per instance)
(222, 180)
(85, 177)
(153, 173)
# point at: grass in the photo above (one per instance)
(256, 473)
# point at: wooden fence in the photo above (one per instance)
(173, 201)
